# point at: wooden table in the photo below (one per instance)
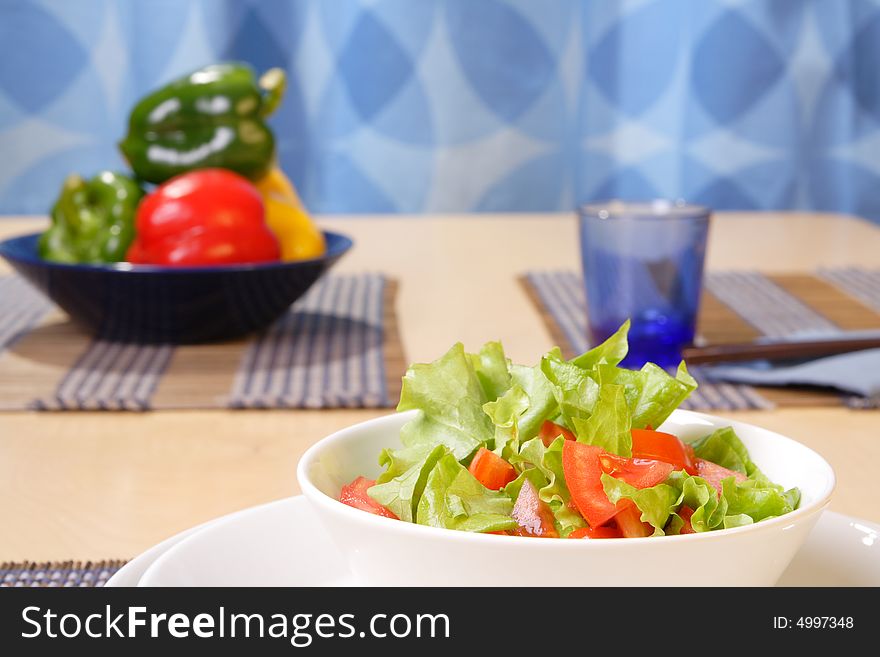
(109, 485)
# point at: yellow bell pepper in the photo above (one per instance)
(298, 236)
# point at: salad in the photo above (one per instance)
(563, 449)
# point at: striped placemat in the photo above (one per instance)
(737, 307)
(58, 573)
(338, 346)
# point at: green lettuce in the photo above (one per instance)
(698, 494)
(757, 497)
(533, 475)
(542, 401)
(398, 461)
(450, 397)
(740, 503)
(723, 447)
(454, 499)
(609, 425)
(610, 352)
(505, 413)
(659, 504)
(491, 366)
(651, 393)
(519, 412)
(758, 500)
(656, 503)
(402, 492)
(574, 389)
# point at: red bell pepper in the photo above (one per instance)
(491, 470)
(660, 446)
(205, 217)
(550, 431)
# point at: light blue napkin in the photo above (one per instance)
(857, 373)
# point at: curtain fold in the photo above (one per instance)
(475, 105)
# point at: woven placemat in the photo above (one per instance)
(58, 573)
(338, 346)
(737, 307)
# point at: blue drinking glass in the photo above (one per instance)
(644, 262)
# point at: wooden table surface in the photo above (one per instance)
(90, 485)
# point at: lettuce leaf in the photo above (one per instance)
(542, 402)
(398, 461)
(610, 352)
(454, 499)
(519, 413)
(533, 475)
(609, 425)
(505, 413)
(740, 503)
(697, 493)
(574, 389)
(757, 500)
(656, 503)
(651, 393)
(659, 504)
(491, 366)
(757, 497)
(723, 447)
(401, 493)
(450, 397)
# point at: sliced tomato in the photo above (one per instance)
(641, 473)
(606, 531)
(532, 514)
(686, 512)
(629, 521)
(660, 446)
(355, 494)
(491, 470)
(583, 475)
(715, 474)
(550, 431)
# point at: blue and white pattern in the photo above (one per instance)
(476, 105)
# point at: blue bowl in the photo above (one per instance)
(146, 303)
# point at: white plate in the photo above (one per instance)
(283, 544)
(130, 574)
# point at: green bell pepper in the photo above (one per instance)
(92, 220)
(213, 117)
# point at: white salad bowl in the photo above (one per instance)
(386, 552)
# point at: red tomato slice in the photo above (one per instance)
(491, 470)
(661, 446)
(629, 521)
(550, 431)
(355, 494)
(641, 473)
(608, 531)
(583, 472)
(715, 474)
(686, 512)
(532, 514)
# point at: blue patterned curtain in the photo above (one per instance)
(476, 105)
